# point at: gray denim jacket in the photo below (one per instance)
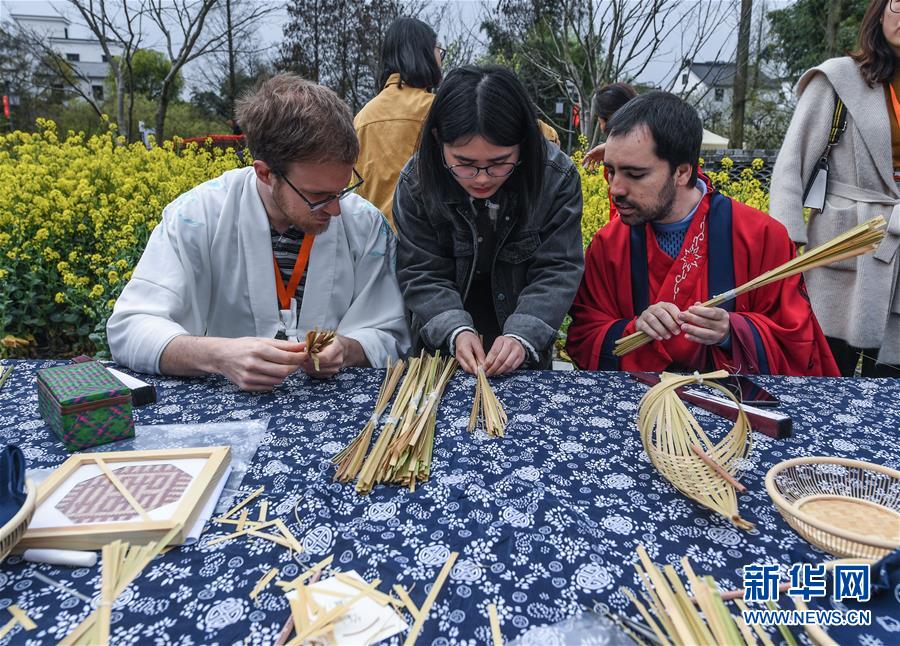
(536, 270)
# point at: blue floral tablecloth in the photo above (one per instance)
(546, 520)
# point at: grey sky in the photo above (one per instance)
(458, 14)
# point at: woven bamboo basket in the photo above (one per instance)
(846, 507)
(14, 530)
(671, 436)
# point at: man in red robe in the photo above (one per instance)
(678, 242)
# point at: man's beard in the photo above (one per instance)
(308, 224)
(654, 213)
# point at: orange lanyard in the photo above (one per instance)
(895, 102)
(286, 292)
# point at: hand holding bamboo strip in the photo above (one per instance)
(683, 453)
(859, 240)
(316, 341)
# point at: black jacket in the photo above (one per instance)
(536, 268)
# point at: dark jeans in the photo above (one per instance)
(847, 359)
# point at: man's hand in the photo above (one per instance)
(340, 353)
(255, 364)
(506, 355)
(706, 325)
(469, 351)
(660, 321)
(594, 157)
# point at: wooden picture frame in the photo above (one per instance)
(88, 535)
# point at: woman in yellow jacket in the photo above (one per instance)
(388, 126)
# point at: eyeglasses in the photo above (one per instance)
(319, 204)
(470, 171)
(894, 5)
(441, 52)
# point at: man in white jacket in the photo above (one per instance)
(272, 250)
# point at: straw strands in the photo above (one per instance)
(682, 619)
(402, 452)
(122, 564)
(316, 341)
(683, 453)
(487, 411)
(857, 241)
(350, 459)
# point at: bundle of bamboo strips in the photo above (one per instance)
(316, 341)
(402, 452)
(487, 411)
(350, 459)
(683, 619)
(122, 564)
(685, 455)
(857, 241)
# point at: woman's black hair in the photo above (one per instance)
(408, 50)
(489, 101)
(612, 97)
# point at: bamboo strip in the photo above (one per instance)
(121, 488)
(263, 582)
(242, 504)
(495, 625)
(429, 600)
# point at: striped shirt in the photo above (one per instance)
(285, 247)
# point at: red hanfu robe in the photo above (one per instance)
(773, 328)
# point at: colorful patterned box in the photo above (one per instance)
(84, 404)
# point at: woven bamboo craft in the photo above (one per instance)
(316, 341)
(857, 241)
(13, 531)
(846, 507)
(678, 447)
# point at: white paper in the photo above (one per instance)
(366, 622)
(208, 507)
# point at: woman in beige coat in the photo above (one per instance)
(857, 301)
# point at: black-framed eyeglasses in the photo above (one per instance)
(894, 5)
(470, 171)
(442, 53)
(315, 206)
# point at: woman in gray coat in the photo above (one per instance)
(857, 301)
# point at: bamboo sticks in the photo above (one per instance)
(859, 240)
(350, 459)
(402, 452)
(122, 564)
(487, 411)
(680, 618)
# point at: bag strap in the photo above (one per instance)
(838, 125)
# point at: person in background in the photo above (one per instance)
(676, 243)
(610, 98)
(388, 126)
(857, 300)
(488, 216)
(242, 265)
